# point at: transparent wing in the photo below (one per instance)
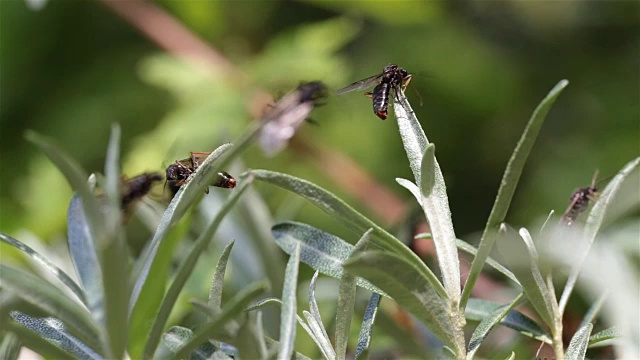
(360, 85)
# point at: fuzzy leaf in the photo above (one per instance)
(37, 343)
(413, 188)
(317, 325)
(594, 310)
(215, 294)
(322, 251)
(607, 334)
(186, 268)
(348, 216)
(53, 269)
(44, 296)
(487, 324)
(508, 186)
(53, 330)
(478, 309)
(364, 339)
(289, 300)
(210, 329)
(408, 287)
(578, 346)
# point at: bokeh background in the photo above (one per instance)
(182, 76)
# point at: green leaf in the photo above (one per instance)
(413, 189)
(346, 300)
(53, 330)
(52, 301)
(512, 356)
(186, 267)
(578, 346)
(516, 253)
(178, 336)
(409, 288)
(76, 177)
(436, 208)
(213, 328)
(322, 251)
(364, 339)
(346, 215)
(508, 186)
(115, 271)
(478, 309)
(289, 300)
(84, 255)
(607, 334)
(592, 227)
(469, 249)
(315, 322)
(215, 294)
(187, 195)
(53, 269)
(248, 342)
(37, 343)
(10, 347)
(487, 324)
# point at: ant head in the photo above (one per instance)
(390, 67)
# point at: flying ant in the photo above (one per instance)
(580, 201)
(285, 117)
(392, 77)
(135, 188)
(178, 173)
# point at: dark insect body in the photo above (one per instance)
(392, 77)
(580, 201)
(285, 117)
(178, 173)
(135, 188)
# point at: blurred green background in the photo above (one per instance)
(70, 69)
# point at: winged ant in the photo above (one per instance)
(178, 173)
(392, 77)
(285, 117)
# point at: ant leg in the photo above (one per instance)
(407, 80)
(194, 159)
(368, 94)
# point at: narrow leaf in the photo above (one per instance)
(478, 309)
(413, 189)
(187, 195)
(52, 301)
(592, 227)
(436, 208)
(469, 249)
(37, 343)
(487, 324)
(410, 289)
(53, 330)
(578, 346)
(177, 336)
(289, 300)
(186, 268)
(215, 294)
(508, 186)
(607, 334)
(516, 252)
(346, 300)
(10, 346)
(53, 269)
(364, 339)
(315, 312)
(322, 251)
(84, 256)
(318, 335)
(346, 215)
(215, 327)
(112, 252)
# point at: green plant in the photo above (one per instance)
(119, 308)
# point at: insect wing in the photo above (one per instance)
(198, 158)
(566, 217)
(360, 85)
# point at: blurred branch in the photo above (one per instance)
(170, 35)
